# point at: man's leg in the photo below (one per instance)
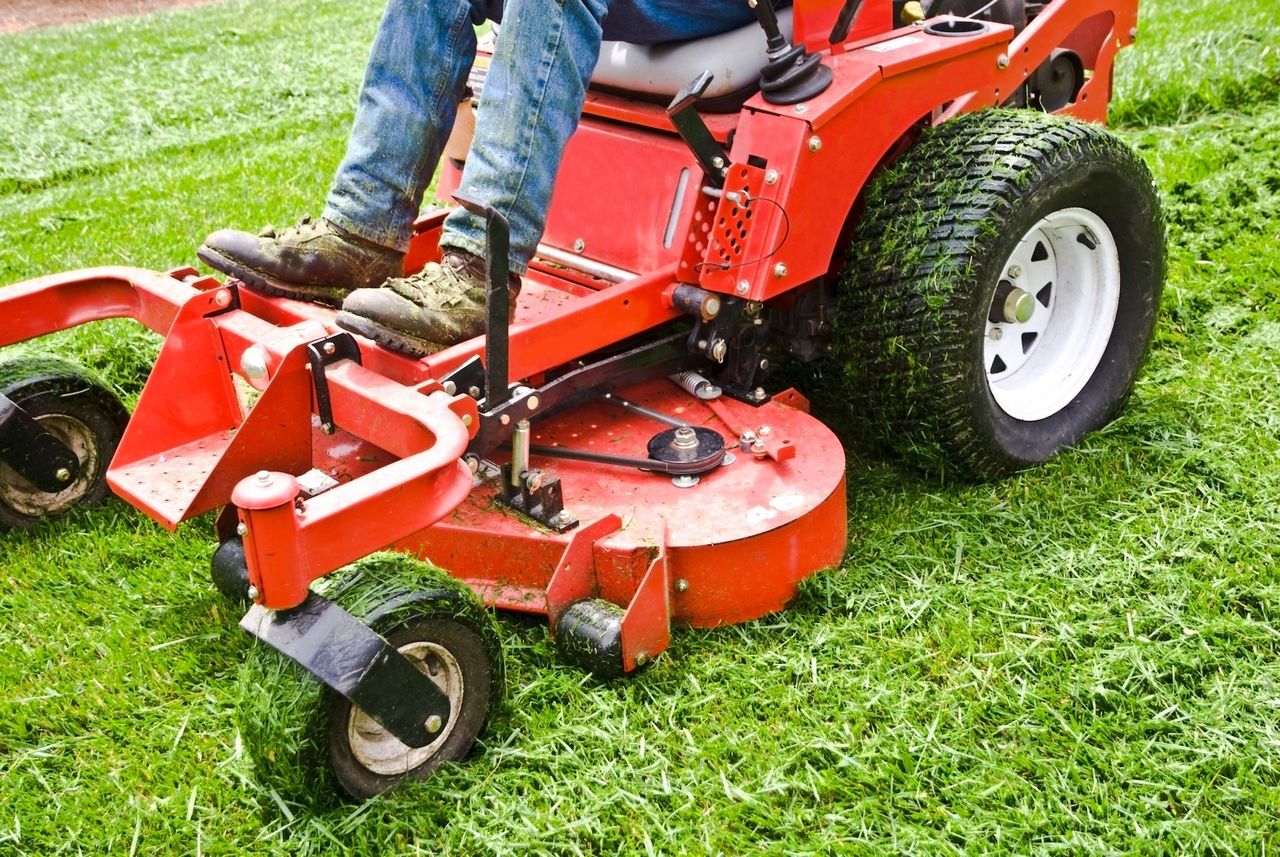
(530, 106)
(416, 72)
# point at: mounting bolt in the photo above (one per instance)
(451, 388)
(641, 659)
(505, 419)
(764, 431)
(747, 438)
(473, 392)
(684, 481)
(764, 363)
(472, 462)
(532, 402)
(253, 593)
(579, 245)
(1002, 61)
(771, 177)
(222, 298)
(682, 585)
(758, 450)
(717, 162)
(466, 419)
(434, 724)
(264, 477)
(330, 348)
(1133, 33)
(241, 529)
(1015, 271)
(758, 393)
(779, 270)
(800, 108)
(62, 474)
(815, 143)
(995, 334)
(743, 287)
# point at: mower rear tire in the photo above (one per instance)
(82, 413)
(1001, 293)
(305, 738)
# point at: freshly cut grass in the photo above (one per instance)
(1085, 658)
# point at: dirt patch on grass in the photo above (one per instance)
(20, 15)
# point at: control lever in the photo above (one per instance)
(713, 159)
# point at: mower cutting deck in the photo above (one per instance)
(616, 459)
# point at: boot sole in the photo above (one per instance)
(389, 337)
(259, 282)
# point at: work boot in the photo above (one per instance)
(441, 305)
(313, 261)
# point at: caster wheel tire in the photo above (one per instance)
(229, 571)
(305, 738)
(82, 413)
(589, 635)
(1001, 294)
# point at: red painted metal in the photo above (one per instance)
(732, 548)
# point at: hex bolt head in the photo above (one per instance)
(758, 393)
(771, 177)
(1015, 271)
(996, 334)
(742, 287)
(815, 143)
(641, 659)
(1002, 61)
(682, 585)
(779, 270)
(764, 431)
(62, 474)
(253, 593)
(579, 245)
(473, 392)
(241, 529)
(434, 724)
(717, 162)
(330, 348)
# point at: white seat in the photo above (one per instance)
(735, 58)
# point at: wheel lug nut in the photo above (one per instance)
(1015, 271)
(996, 333)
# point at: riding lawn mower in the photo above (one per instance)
(911, 205)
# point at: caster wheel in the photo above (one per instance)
(589, 635)
(1002, 292)
(305, 738)
(82, 413)
(229, 572)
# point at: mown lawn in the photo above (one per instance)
(1083, 658)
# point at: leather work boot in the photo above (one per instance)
(313, 261)
(441, 305)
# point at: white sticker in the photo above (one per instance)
(893, 44)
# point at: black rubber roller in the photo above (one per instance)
(230, 572)
(589, 635)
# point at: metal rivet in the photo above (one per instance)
(682, 585)
(771, 177)
(815, 143)
(505, 419)
(253, 593)
(1002, 61)
(242, 529)
(779, 270)
(743, 286)
(434, 724)
(579, 245)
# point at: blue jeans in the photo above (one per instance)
(530, 106)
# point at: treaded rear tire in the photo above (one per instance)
(939, 228)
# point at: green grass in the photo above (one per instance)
(1084, 658)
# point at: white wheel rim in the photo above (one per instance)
(383, 753)
(26, 499)
(1069, 263)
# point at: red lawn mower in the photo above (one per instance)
(978, 285)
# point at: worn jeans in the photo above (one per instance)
(532, 98)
